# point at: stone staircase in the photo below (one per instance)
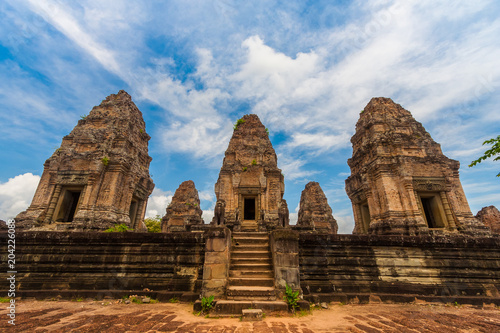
(251, 276)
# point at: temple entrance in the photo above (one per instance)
(68, 205)
(249, 209)
(432, 210)
(132, 213)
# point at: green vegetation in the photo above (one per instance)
(105, 160)
(153, 223)
(207, 303)
(245, 168)
(267, 131)
(4, 300)
(238, 123)
(493, 151)
(83, 117)
(153, 301)
(291, 298)
(136, 300)
(173, 300)
(141, 131)
(118, 228)
(254, 162)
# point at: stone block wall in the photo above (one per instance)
(217, 261)
(285, 250)
(356, 268)
(52, 262)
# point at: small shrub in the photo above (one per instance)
(118, 228)
(153, 223)
(245, 168)
(302, 313)
(254, 162)
(291, 298)
(267, 131)
(105, 160)
(141, 131)
(83, 117)
(207, 303)
(79, 299)
(136, 300)
(238, 123)
(173, 300)
(4, 300)
(153, 301)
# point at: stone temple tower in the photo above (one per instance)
(401, 182)
(99, 176)
(250, 185)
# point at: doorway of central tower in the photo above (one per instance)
(249, 209)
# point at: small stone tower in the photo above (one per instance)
(250, 183)
(184, 211)
(99, 176)
(315, 213)
(401, 182)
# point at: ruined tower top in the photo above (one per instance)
(250, 141)
(386, 124)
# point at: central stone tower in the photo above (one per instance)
(250, 185)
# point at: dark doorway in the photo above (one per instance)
(68, 205)
(427, 206)
(133, 212)
(75, 196)
(249, 209)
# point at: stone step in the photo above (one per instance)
(250, 240)
(250, 267)
(251, 281)
(252, 274)
(245, 261)
(249, 229)
(249, 247)
(250, 292)
(237, 253)
(250, 234)
(234, 307)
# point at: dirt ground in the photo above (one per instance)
(110, 316)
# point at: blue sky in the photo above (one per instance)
(193, 68)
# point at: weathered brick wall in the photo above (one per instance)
(84, 261)
(399, 268)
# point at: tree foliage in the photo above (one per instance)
(492, 152)
(153, 223)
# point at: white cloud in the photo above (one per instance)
(158, 202)
(16, 194)
(293, 168)
(345, 223)
(59, 16)
(207, 195)
(207, 216)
